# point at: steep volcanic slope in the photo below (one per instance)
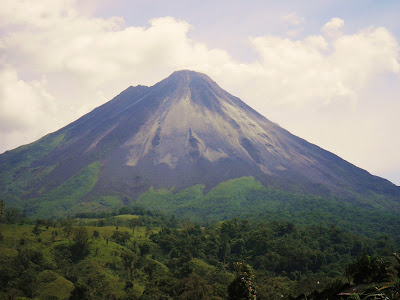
(183, 131)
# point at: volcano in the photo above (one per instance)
(183, 131)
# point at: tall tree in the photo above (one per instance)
(242, 288)
(80, 248)
(129, 258)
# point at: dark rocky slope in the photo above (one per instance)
(185, 130)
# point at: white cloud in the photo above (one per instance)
(38, 14)
(294, 24)
(304, 71)
(22, 104)
(333, 29)
(23, 108)
(56, 64)
(293, 19)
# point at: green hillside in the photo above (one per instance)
(65, 199)
(242, 198)
(247, 198)
(18, 172)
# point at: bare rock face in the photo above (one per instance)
(198, 120)
(186, 130)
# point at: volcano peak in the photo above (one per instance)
(184, 130)
(188, 77)
(188, 74)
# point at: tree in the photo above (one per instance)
(151, 268)
(144, 249)
(129, 258)
(10, 214)
(397, 267)
(133, 223)
(80, 292)
(2, 204)
(80, 248)
(367, 269)
(196, 288)
(120, 237)
(36, 230)
(241, 288)
(96, 234)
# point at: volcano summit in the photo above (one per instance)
(183, 131)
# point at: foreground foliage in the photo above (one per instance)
(138, 254)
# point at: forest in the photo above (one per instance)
(135, 253)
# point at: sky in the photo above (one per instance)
(327, 71)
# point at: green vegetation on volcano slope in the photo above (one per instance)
(65, 198)
(18, 174)
(144, 255)
(247, 198)
(242, 197)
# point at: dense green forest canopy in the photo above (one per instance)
(243, 198)
(135, 253)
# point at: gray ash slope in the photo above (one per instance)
(186, 130)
